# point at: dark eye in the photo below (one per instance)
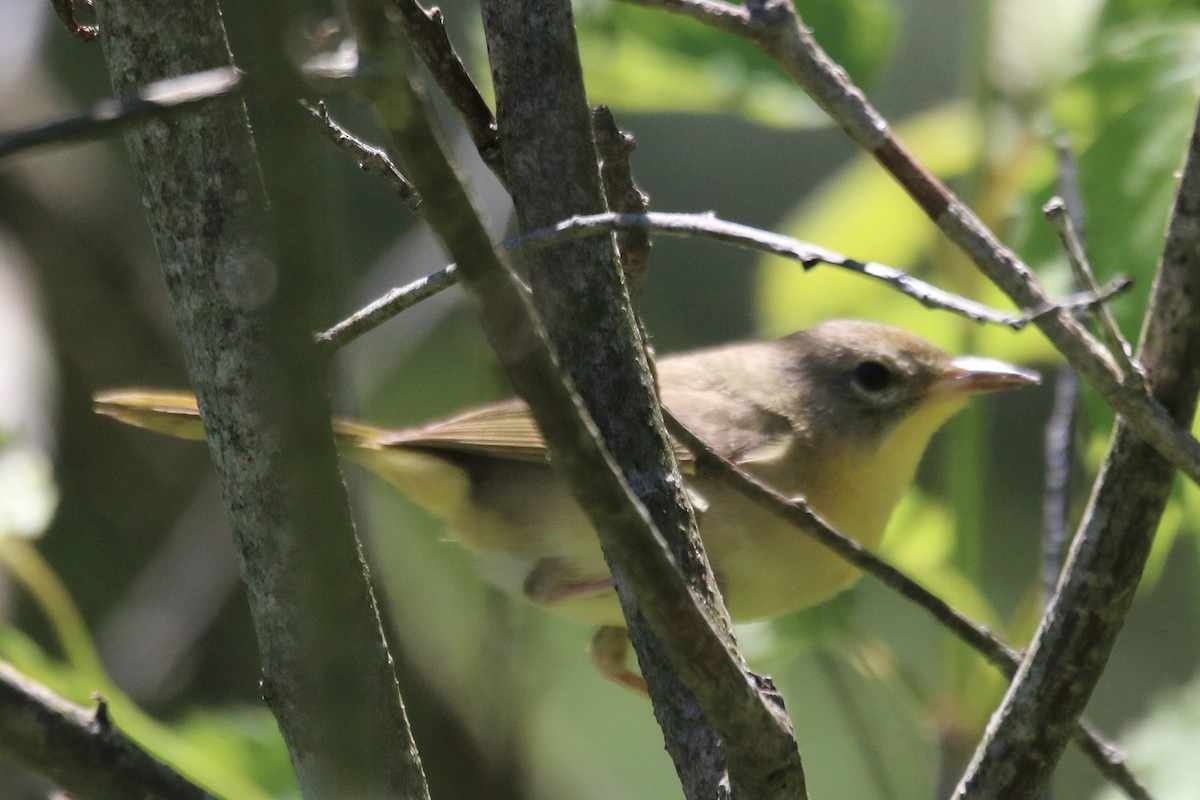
(872, 376)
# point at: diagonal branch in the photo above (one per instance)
(1076, 635)
(78, 749)
(165, 98)
(370, 159)
(777, 30)
(708, 226)
(426, 33)
(1107, 759)
(755, 730)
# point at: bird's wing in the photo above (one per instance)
(502, 430)
(172, 413)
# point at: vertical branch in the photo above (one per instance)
(756, 733)
(244, 305)
(550, 160)
(1059, 438)
(1071, 647)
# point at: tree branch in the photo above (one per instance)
(160, 99)
(80, 749)
(426, 32)
(615, 149)
(742, 709)
(244, 302)
(577, 288)
(775, 28)
(370, 159)
(1107, 759)
(1075, 637)
(709, 227)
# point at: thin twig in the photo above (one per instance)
(1059, 434)
(1055, 211)
(710, 227)
(1108, 760)
(370, 159)
(615, 148)
(809, 255)
(777, 30)
(1060, 455)
(163, 98)
(66, 13)
(426, 32)
(389, 305)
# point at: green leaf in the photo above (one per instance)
(246, 741)
(860, 211)
(921, 539)
(1029, 62)
(1162, 749)
(638, 59)
(28, 494)
(1129, 115)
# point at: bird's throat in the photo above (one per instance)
(859, 487)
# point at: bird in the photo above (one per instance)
(839, 414)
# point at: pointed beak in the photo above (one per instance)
(970, 375)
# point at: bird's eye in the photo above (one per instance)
(872, 376)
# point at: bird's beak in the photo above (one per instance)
(970, 375)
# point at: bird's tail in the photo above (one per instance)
(176, 414)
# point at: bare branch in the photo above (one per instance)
(66, 13)
(776, 29)
(809, 255)
(1076, 635)
(370, 159)
(1056, 211)
(516, 335)
(426, 32)
(1107, 759)
(389, 305)
(78, 749)
(577, 289)
(709, 227)
(165, 98)
(615, 148)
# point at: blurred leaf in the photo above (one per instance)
(638, 59)
(1129, 115)
(921, 539)
(860, 211)
(830, 626)
(28, 494)
(1029, 62)
(1117, 12)
(1162, 748)
(246, 740)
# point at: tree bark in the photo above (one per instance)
(552, 170)
(244, 285)
(1038, 716)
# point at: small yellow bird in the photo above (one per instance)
(839, 413)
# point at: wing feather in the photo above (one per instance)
(501, 430)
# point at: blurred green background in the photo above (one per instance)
(503, 702)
